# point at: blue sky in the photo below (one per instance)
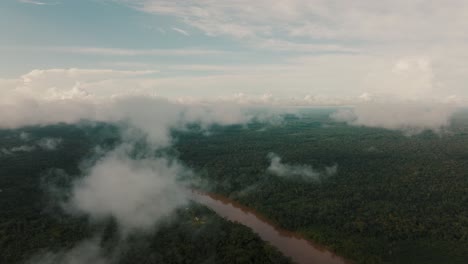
(42, 33)
(285, 48)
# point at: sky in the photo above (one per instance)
(324, 50)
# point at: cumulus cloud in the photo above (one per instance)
(70, 95)
(18, 110)
(411, 118)
(303, 172)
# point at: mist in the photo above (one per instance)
(136, 192)
(298, 171)
(410, 118)
(88, 251)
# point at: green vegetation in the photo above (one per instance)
(395, 199)
(200, 236)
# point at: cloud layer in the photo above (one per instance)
(411, 118)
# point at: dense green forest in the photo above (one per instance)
(33, 226)
(394, 198)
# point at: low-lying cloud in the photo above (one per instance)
(411, 118)
(296, 171)
(88, 251)
(18, 149)
(136, 192)
(48, 144)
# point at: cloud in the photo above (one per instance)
(302, 172)
(33, 2)
(70, 95)
(107, 51)
(318, 19)
(129, 183)
(140, 52)
(19, 149)
(397, 47)
(24, 136)
(135, 188)
(137, 193)
(45, 144)
(49, 143)
(88, 251)
(23, 148)
(181, 31)
(409, 117)
(50, 75)
(285, 45)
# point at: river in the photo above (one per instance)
(291, 244)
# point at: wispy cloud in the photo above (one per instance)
(318, 19)
(33, 2)
(103, 51)
(181, 31)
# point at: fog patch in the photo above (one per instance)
(409, 118)
(297, 171)
(137, 193)
(49, 143)
(15, 150)
(24, 136)
(88, 251)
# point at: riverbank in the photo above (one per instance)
(292, 245)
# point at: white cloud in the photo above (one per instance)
(181, 31)
(409, 117)
(32, 2)
(284, 45)
(136, 192)
(319, 19)
(24, 148)
(106, 51)
(24, 136)
(68, 95)
(430, 37)
(140, 52)
(18, 149)
(45, 144)
(49, 143)
(303, 172)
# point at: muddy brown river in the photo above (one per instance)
(290, 244)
